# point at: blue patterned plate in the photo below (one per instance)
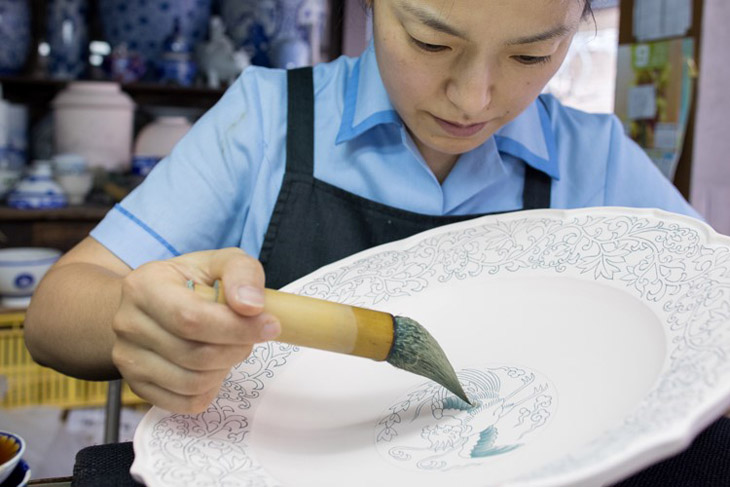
(595, 342)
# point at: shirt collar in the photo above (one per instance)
(365, 83)
(528, 137)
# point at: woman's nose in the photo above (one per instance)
(470, 89)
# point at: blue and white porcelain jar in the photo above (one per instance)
(67, 35)
(21, 269)
(273, 32)
(143, 25)
(15, 35)
(37, 190)
(176, 65)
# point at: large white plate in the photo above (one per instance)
(596, 340)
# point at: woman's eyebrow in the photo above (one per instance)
(554, 33)
(431, 20)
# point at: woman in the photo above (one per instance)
(439, 120)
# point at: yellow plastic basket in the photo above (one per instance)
(25, 383)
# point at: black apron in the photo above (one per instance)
(315, 223)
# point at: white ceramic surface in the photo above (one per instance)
(159, 136)
(596, 342)
(156, 140)
(76, 186)
(21, 269)
(7, 467)
(94, 119)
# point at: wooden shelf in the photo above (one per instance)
(25, 88)
(81, 212)
(60, 228)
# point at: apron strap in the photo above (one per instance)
(300, 124)
(300, 140)
(537, 189)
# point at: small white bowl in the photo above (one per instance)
(12, 448)
(21, 269)
(76, 186)
(69, 164)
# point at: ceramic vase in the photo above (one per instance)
(37, 190)
(95, 120)
(155, 141)
(143, 25)
(176, 65)
(275, 33)
(67, 34)
(15, 35)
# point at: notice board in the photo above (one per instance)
(648, 24)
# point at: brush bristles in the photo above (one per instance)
(415, 350)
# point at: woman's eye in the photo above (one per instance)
(428, 47)
(531, 60)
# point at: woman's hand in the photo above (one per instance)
(173, 347)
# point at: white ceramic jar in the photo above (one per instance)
(95, 119)
(156, 140)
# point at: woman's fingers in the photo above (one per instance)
(243, 280)
(185, 314)
(173, 346)
(167, 384)
(145, 333)
(171, 401)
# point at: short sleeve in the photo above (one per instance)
(199, 196)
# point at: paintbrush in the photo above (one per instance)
(326, 325)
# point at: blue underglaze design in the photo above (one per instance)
(24, 281)
(273, 31)
(511, 404)
(143, 25)
(15, 35)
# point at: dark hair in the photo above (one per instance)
(587, 10)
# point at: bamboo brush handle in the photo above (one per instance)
(324, 325)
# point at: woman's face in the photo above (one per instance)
(458, 70)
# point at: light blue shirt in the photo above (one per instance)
(219, 185)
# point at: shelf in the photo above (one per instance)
(26, 88)
(76, 213)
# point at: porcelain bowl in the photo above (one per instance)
(21, 269)
(12, 448)
(76, 186)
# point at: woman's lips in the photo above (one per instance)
(459, 130)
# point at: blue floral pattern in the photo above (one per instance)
(15, 36)
(143, 25)
(261, 27)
